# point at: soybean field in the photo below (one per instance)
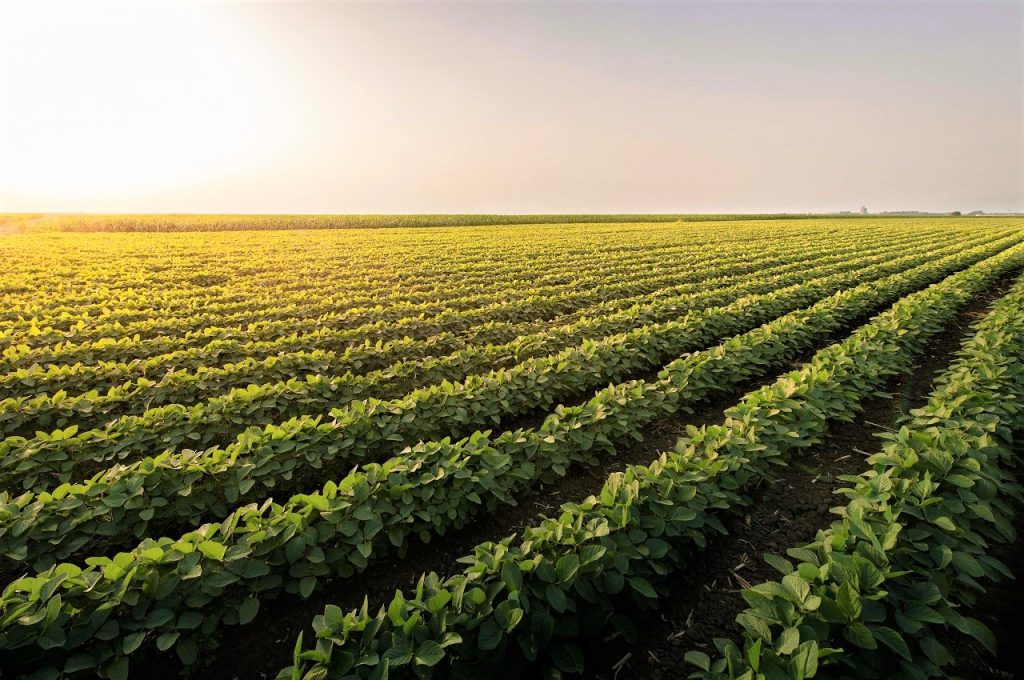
(718, 448)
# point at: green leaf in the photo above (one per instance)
(698, 659)
(78, 662)
(788, 641)
(893, 640)
(511, 576)
(398, 654)
(437, 602)
(411, 623)
(132, 641)
(396, 536)
(167, 640)
(490, 636)
(450, 638)
(965, 562)
(567, 657)
(860, 635)
(805, 661)
(476, 596)
(984, 511)
(556, 598)
(567, 566)
(508, 615)
(542, 624)
(754, 655)
(117, 669)
(780, 564)
(797, 586)
(429, 654)
(396, 610)
(848, 601)
(153, 554)
(755, 626)
(935, 651)
(247, 612)
(808, 571)
(980, 632)
(644, 587)
(334, 617)
(213, 550)
(188, 651)
(158, 617)
(189, 620)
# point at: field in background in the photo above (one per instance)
(133, 223)
(215, 442)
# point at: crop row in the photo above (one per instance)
(529, 603)
(321, 304)
(496, 281)
(876, 593)
(213, 343)
(170, 264)
(159, 493)
(25, 462)
(18, 414)
(173, 274)
(218, 420)
(319, 299)
(183, 385)
(167, 274)
(363, 323)
(166, 592)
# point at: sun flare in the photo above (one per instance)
(127, 100)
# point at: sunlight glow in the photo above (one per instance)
(446, 106)
(115, 100)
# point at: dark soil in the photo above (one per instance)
(787, 514)
(1001, 608)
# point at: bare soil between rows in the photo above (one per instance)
(786, 514)
(1001, 608)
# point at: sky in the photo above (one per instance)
(502, 107)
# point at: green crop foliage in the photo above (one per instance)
(196, 424)
(876, 592)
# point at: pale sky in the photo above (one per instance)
(427, 107)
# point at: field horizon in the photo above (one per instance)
(184, 221)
